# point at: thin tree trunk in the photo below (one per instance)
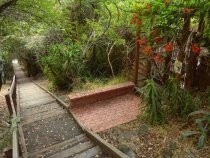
(108, 56)
(136, 70)
(183, 41)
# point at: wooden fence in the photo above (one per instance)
(11, 99)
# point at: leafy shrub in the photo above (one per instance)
(203, 124)
(63, 64)
(152, 95)
(167, 101)
(179, 102)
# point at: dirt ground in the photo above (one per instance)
(148, 141)
(4, 116)
(155, 141)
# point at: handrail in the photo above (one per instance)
(12, 106)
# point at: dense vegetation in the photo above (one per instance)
(73, 41)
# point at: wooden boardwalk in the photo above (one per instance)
(48, 129)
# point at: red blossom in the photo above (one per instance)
(135, 19)
(186, 10)
(158, 39)
(195, 49)
(148, 6)
(156, 32)
(167, 2)
(148, 50)
(168, 47)
(147, 9)
(142, 41)
(158, 59)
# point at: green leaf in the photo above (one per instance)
(201, 141)
(186, 134)
(200, 120)
(199, 112)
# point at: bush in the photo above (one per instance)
(63, 64)
(152, 95)
(167, 101)
(178, 102)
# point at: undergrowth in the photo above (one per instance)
(167, 101)
(93, 83)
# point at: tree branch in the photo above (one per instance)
(6, 5)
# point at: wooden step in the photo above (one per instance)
(50, 131)
(92, 152)
(89, 97)
(41, 101)
(71, 152)
(46, 152)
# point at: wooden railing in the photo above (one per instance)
(11, 99)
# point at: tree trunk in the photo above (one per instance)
(183, 41)
(136, 69)
(191, 78)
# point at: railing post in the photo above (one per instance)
(8, 104)
(14, 95)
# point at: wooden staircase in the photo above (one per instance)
(48, 129)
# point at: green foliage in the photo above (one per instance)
(203, 124)
(152, 95)
(7, 66)
(167, 101)
(6, 139)
(91, 83)
(178, 102)
(63, 64)
(6, 136)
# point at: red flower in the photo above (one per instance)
(136, 15)
(158, 59)
(158, 39)
(195, 49)
(186, 10)
(168, 47)
(142, 41)
(156, 32)
(167, 2)
(135, 19)
(147, 9)
(148, 50)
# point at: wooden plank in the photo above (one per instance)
(8, 104)
(107, 148)
(22, 140)
(40, 113)
(39, 109)
(61, 146)
(37, 102)
(33, 97)
(27, 120)
(20, 130)
(89, 153)
(74, 150)
(15, 145)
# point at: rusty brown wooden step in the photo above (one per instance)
(88, 97)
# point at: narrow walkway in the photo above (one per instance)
(48, 129)
(108, 113)
(105, 107)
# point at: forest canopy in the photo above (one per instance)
(71, 40)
